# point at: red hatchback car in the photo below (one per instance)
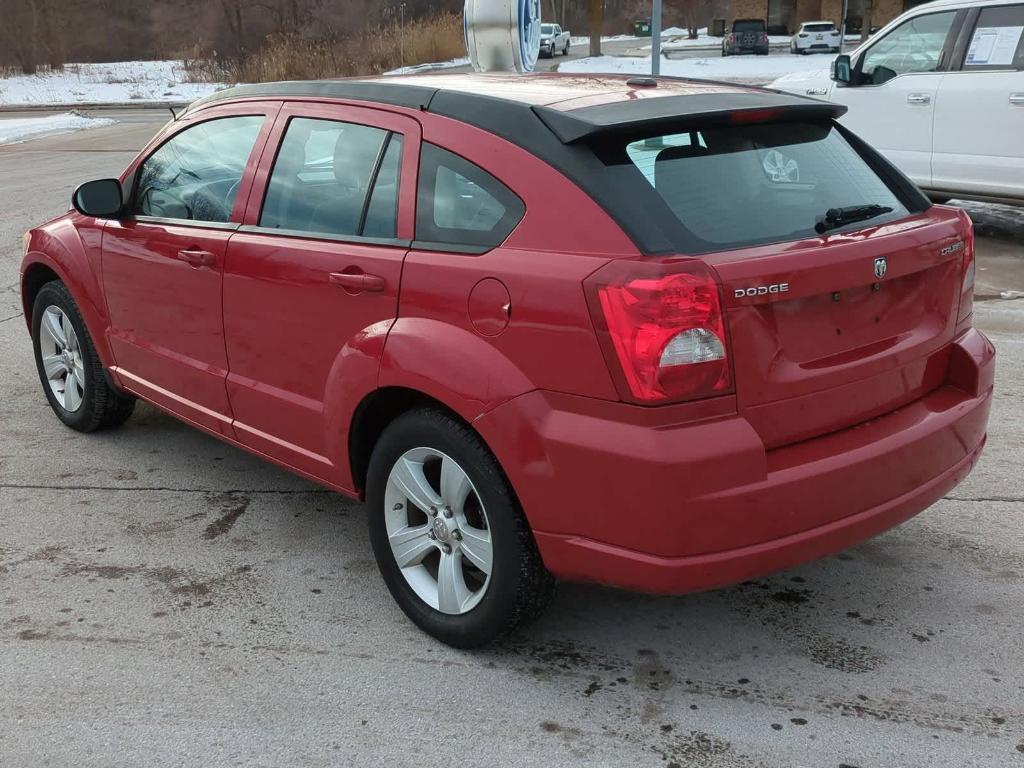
(660, 334)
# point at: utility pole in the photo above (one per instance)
(596, 14)
(656, 39)
(401, 34)
(842, 25)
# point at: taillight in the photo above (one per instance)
(662, 328)
(764, 38)
(967, 283)
(732, 38)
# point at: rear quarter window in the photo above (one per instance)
(460, 206)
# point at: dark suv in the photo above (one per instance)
(746, 36)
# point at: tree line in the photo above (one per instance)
(38, 33)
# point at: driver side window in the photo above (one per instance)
(914, 46)
(195, 175)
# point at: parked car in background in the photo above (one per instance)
(750, 345)
(940, 92)
(816, 37)
(746, 36)
(553, 40)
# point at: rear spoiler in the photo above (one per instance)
(676, 113)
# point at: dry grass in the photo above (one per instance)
(285, 57)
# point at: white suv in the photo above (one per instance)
(815, 36)
(940, 91)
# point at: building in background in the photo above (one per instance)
(784, 16)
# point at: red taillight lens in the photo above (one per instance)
(764, 38)
(667, 331)
(967, 285)
(732, 38)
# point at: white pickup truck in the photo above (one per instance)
(940, 92)
(553, 40)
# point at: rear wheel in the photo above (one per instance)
(69, 369)
(452, 545)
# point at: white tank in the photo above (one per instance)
(502, 35)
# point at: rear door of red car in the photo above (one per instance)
(163, 262)
(311, 279)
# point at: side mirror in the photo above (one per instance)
(842, 69)
(102, 198)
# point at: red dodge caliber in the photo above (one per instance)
(660, 334)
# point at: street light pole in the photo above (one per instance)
(401, 33)
(842, 25)
(656, 39)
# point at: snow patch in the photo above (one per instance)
(740, 69)
(26, 128)
(414, 68)
(113, 83)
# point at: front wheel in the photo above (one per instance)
(69, 369)
(451, 542)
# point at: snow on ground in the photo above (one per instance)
(741, 69)
(585, 39)
(117, 82)
(413, 69)
(26, 128)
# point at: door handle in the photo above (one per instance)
(358, 281)
(197, 258)
(1017, 98)
(919, 98)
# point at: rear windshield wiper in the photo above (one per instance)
(838, 217)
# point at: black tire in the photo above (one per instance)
(565, 51)
(519, 589)
(102, 406)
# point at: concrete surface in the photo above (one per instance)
(166, 600)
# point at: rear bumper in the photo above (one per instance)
(680, 499)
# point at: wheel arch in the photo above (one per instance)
(372, 416)
(60, 250)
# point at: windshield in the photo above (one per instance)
(547, 29)
(819, 27)
(734, 186)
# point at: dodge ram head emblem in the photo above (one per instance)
(881, 265)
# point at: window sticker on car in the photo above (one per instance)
(993, 46)
(780, 168)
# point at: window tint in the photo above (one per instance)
(830, 27)
(997, 41)
(744, 185)
(914, 46)
(461, 204)
(196, 174)
(322, 177)
(749, 25)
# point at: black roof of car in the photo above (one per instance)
(573, 107)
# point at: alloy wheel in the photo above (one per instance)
(438, 531)
(62, 358)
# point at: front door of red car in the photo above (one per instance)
(163, 263)
(311, 279)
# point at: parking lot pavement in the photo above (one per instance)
(168, 600)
